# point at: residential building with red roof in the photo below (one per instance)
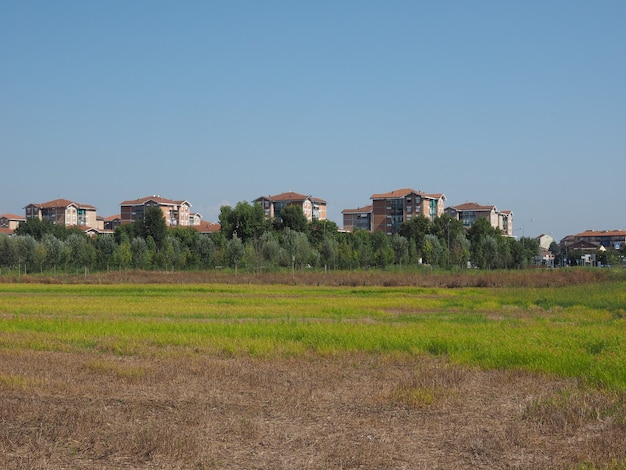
(314, 208)
(470, 212)
(112, 222)
(390, 210)
(11, 221)
(599, 238)
(63, 212)
(206, 228)
(359, 218)
(176, 213)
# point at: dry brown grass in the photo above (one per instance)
(425, 278)
(94, 410)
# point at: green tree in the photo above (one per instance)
(270, 248)
(432, 250)
(245, 221)
(382, 249)
(292, 217)
(234, 251)
(328, 251)
(26, 252)
(81, 253)
(400, 246)
(105, 248)
(205, 251)
(153, 225)
(416, 229)
(489, 250)
(530, 249)
(319, 230)
(363, 248)
(459, 250)
(476, 234)
(8, 251)
(123, 256)
(297, 247)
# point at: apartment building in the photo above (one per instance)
(112, 222)
(10, 222)
(598, 238)
(63, 212)
(176, 213)
(390, 210)
(470, 212)
(359, 218)
(313, 208)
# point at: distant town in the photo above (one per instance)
(385, 213)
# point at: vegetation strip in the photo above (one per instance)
(576, 331)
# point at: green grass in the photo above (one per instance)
(576, 331)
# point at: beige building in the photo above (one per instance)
(470, 212)
(313, 208)
(176, 213)
(10, 221)
(63, 212)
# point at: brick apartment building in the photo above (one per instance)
(313, 208)
(176, 213)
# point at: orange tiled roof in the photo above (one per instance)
(158, 199)
(291, 197)
(113, 217)
(472, 206)
(206, 227)
(13, 217)
(62, 203)
(398, 193)
(435, 196)
(6, 231)
(602, 233)
(358, 210)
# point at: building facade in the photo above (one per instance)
(313, 208)
(357, 219)
(605, 238)
(10, 221)
(63, 212)
(176, 213)
(390, 210)
(470, 212)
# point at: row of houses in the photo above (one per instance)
(386, 212)
(71, 213)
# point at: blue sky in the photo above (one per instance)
(517, 104)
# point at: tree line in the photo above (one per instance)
(247, 240)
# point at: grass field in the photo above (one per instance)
(312, 376)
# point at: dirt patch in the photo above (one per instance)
(62, 410)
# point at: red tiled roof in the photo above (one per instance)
(435, 196)
(291, 197)
(6, 231)
(602, 233)
(358, 210)
(113, 217)
(13, 217)
(62, 203)
(158, 199)
(472, 206)
(206, 227)
(398, 193)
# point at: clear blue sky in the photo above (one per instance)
(517, 104)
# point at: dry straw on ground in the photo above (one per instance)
(90, 410)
